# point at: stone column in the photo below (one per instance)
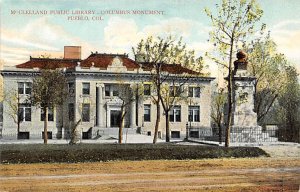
(62, 133)
(100, 113)
(132, 111)
(132, 115)
(140, 111)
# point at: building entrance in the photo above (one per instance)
(115, 116)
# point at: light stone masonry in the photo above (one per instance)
(102, 103)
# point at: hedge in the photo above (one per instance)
(40, 153)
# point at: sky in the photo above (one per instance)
(35, 27)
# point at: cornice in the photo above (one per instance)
(133, 76)
(19, 73)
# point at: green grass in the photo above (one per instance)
(40, 153)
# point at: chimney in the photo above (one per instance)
(72, 52)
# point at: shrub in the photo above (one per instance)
(39, 153)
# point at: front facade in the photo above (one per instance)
(95, 87)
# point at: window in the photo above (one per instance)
(175, 114)
(25, 112)
(194, 134)
(85, 88)
(111, 90)
(49, 134)
(87, 134)
(107, 90)
(149, 133)
(194, 91)
(175, 134)
(71, 88)
(23, 135)
(197, 92)
(24, 87)
(194, 113)
(71, 111)
(115, 93)
(50, 114)
(147, 89)
(191, 91)
(175, 91)
(147, 113)
(85, 112)
(159, 135)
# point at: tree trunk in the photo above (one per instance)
(158, 87)
(18, 129)
(74, 136)
(156, 122)
(167, 126)
(220, 133)
(18, 117)
(229, 117)
(229, 99)
(120, 132)
(46, 125)
(121, 125)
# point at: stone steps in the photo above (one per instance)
(98, 131)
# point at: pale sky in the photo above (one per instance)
(23, 35)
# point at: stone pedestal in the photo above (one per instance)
(243, 108)
(244, 128)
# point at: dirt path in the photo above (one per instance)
(264, 174)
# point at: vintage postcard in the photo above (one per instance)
(156, 95)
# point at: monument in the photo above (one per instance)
(244, 127)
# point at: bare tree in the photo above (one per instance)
(233, 23)
(127, 94)
(172, 93)
(12, 100)
(157, 53)
(217, 110)
(48, 91)
(84, 115)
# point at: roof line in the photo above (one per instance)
(109, 54)
(57, 59)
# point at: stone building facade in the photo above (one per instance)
(95, 85)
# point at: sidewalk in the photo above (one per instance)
(236, 144)
(282, 151)
(130, 138)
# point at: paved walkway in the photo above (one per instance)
(130, 138)
(283, 150)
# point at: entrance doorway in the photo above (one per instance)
(115, 117)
